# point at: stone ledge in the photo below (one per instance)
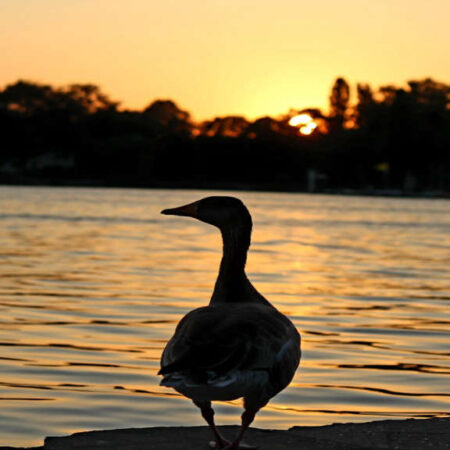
(411, 434)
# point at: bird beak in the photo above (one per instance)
(189, 210)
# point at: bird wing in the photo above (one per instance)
(223, 338)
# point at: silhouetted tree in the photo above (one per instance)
(339, 99)
(364, 108)
(28, 98)
(164, 117)
(263, 127)
(431, 94)
(90, 98)
(232, 126)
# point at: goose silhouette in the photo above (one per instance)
(240, 345)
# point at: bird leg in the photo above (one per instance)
(208, 415)
(247, 418)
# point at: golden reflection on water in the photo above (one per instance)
(93, 282)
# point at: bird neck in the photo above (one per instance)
(232, 284)
(236, 243)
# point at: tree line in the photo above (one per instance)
(390, 139)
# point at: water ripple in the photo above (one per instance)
(93, 282)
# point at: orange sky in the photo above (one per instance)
(219, 57)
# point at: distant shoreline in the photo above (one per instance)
(389, 193)
(409, 434)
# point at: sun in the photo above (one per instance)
(301, 119)
(306, 121)
(308, 128)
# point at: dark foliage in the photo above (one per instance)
(392, 139)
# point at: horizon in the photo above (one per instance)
(291, 112)
(221, 59)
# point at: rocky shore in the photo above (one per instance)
(408, 434)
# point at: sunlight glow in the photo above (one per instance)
(308, 128)
(301, 119)
(307, 122)
(305, 130)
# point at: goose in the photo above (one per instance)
(240, 345)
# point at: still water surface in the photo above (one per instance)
(93, 282)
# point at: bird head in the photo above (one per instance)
(225, 213)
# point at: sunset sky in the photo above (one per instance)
(221, 57)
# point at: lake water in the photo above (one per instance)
(94, 281)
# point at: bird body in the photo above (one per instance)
(224, 352)
(239, 345)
